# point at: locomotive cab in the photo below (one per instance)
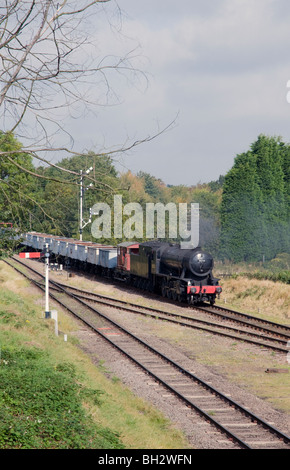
(124, 251)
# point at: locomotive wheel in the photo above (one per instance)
(163, 291)
(174, 295)
(169, 294)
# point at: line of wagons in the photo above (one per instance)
(165, 268)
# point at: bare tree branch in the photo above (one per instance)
(47, 58)
(50, 67)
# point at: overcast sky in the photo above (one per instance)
(219, 68)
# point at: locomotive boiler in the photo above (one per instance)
(185, 262)
(179, 274)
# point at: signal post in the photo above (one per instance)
(45, 253)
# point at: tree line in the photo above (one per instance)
(254, 212)
(244, 215)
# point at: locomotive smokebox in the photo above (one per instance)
(184, 263)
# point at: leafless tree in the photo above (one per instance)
(48, 63)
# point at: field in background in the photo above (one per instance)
(259, 288)
(278, 269)
(266, 299)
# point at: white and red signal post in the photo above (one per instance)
(36, 254)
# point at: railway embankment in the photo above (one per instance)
(241, 370)
(51, 394)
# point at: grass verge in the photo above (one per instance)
(52, 396)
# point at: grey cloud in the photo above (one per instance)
(222, 64)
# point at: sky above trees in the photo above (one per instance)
(214, 74)
(220, 67)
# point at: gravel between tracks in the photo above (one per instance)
(200, 434)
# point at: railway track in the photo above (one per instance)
(243, 428)
(247, 319)
(249, 329)
(266, 337)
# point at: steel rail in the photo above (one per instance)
(212, 309)
(196, 379)
(160, 312)
(207, 310)
(196, 320)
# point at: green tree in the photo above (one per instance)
(253, 211)
(218, 184)
(241, 231)
(61, 199)
(16, 190)
(271, 182)
(285, 153)
(154, 187)
(16, 185)
(209, 216)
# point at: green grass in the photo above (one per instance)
(282, 276)
(277, 269)
(41, 400)
(41, 405)
(52, 396)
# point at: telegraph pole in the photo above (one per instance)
(81, 205)
(82, 225)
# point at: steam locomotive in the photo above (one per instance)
(184, 275)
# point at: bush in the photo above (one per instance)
(41, 406)
(281, 276)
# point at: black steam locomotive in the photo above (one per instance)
(179, 274)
